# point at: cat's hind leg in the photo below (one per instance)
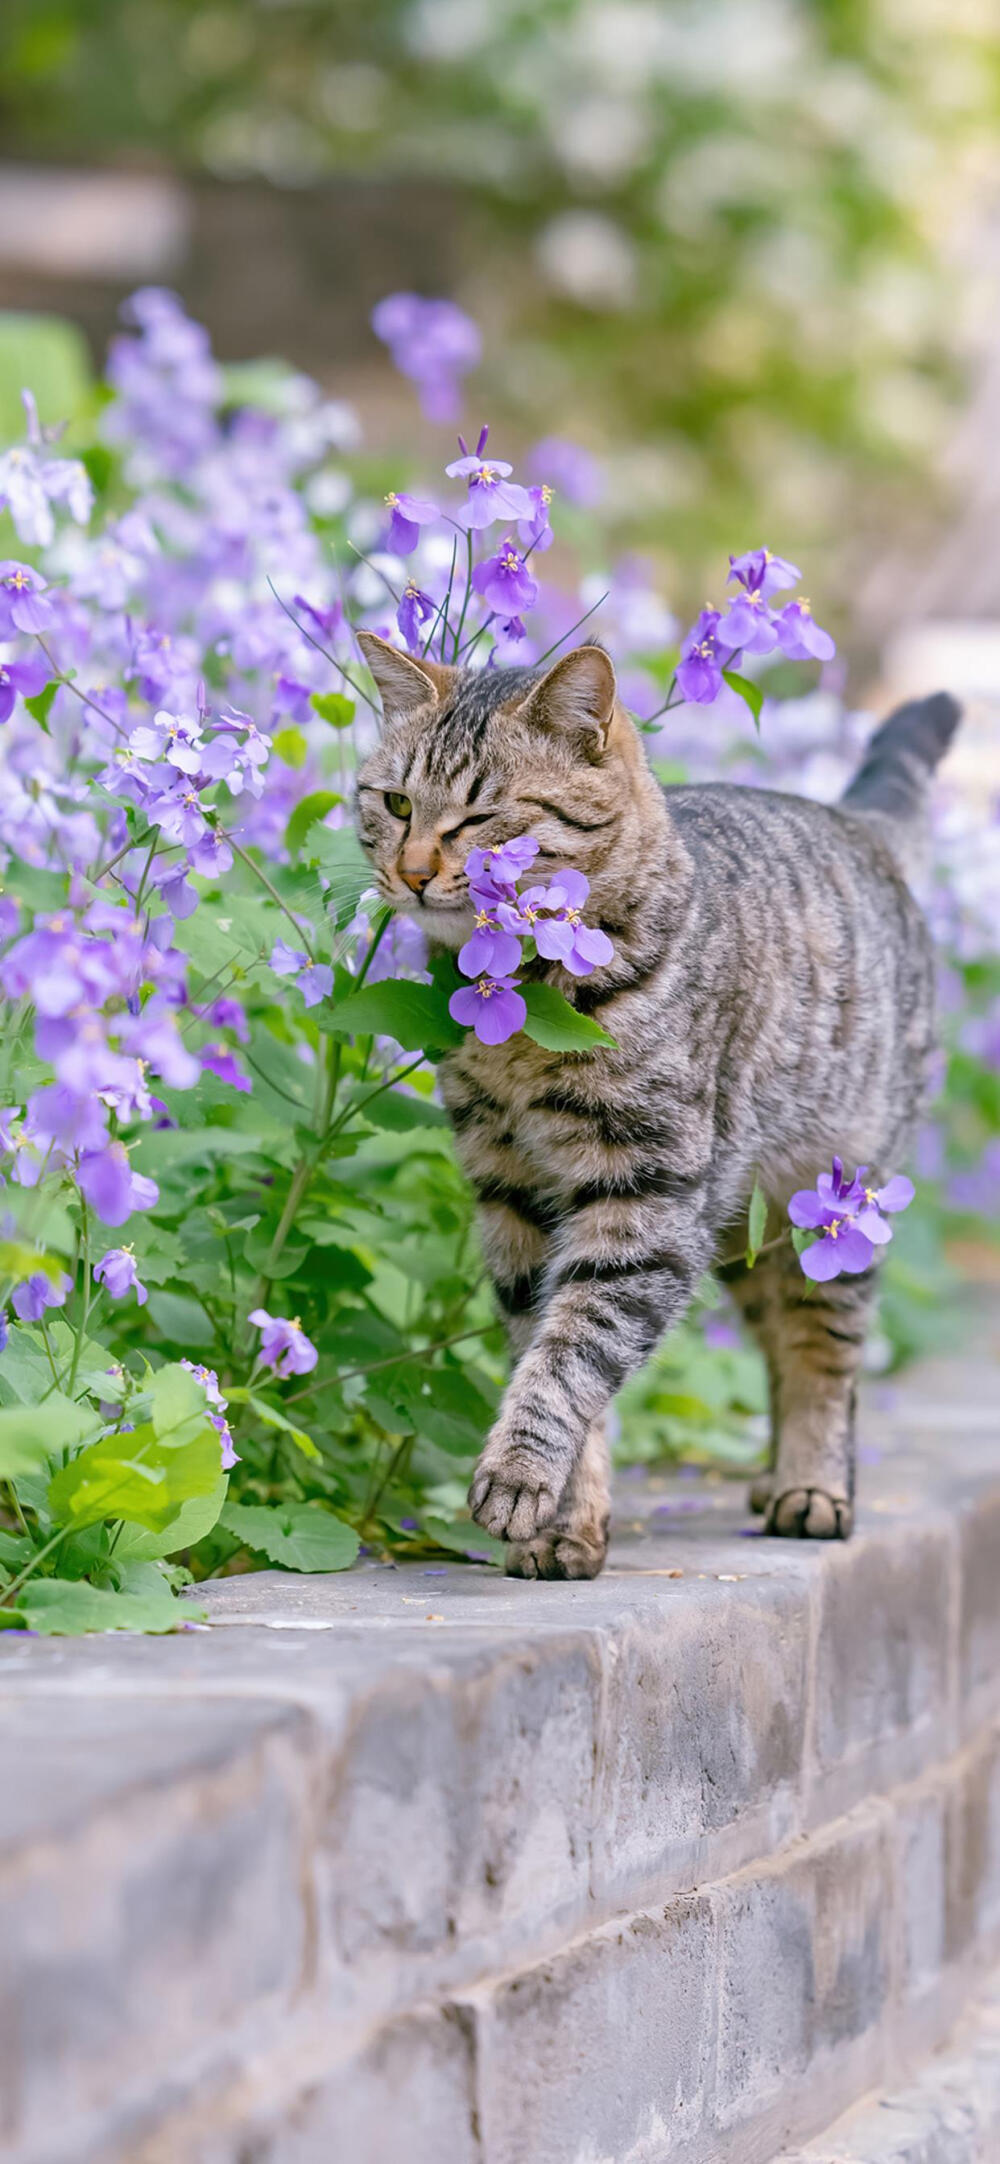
(755, 1294)
(576, 1545)
(818, 1340)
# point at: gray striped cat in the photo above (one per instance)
(771, 998)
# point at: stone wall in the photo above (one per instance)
(421, 1862)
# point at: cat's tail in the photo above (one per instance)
(900, 758)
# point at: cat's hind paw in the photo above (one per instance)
(809, 1514)
(555, 1555)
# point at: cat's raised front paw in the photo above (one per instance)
(515, 1491)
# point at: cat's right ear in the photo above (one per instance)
(404, 685)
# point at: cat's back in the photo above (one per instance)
(757, 839)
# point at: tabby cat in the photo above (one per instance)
(771, 1001)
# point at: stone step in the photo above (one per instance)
(949, 2115)
(677, 1865)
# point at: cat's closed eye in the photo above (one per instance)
(474, 819)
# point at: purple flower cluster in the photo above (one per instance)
(218, 1409)
(432, 342)
(284, 1345)
(747, 624)
(548, 916)
(850, 1219)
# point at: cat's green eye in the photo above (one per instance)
(399, 805)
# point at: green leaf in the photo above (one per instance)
(343, 864)
(19, 1261)
(415, 1014)
(291, 747)
(756, 1223)
(801, 1239)
(398, 1110)
(332, 706)
(272, 1418)
(40, 706)
(752, 693)
(192, 1521)
(299, 1536)
(177, 1400)
(141, 1477)
(553, 1023)
(62, 1608)
(310, 810)
(29, 1434)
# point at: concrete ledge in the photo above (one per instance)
(673, 1866)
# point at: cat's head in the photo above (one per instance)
(470, 758)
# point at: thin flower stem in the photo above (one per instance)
(103, 869)
(357, 688)
(31, 1566)
(373, 950)
(351, 1111)
(394, 1460)
(246, 859)
(377, 568)
(443, 610)
(465, 599)
(146, 869)
(573, 627)
(81, 1329)
(83, 696)
(47, 1342)
(418, 1352)
(16, 1508)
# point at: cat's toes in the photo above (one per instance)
(556, 1555)
(511, 1496)
(761, 1491)
(809, 1514)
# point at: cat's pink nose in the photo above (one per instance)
(418, 877)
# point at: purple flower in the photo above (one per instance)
(406, 516)
(209, 1381)
(800, 636)
(493, 1008)
(562, 936)
(501, 868)
(27, 677)
(759, 572)
(178, 814)
(57, 1114)
(847, 1214)
(227, 1013)
(4, 1329)
(314, 979)
(504, 581)
(699, 671)
(415, 609)
(570, 469)
(748, 625)
(536, 532)
(30, 483)
(30, 1299)
(431, 341)
(117, 1270)
(22, 603)
(284, 1346)
(107, 1181)
(217, 1059)
(491, 951)
(491, 494)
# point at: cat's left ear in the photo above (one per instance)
(577, 699)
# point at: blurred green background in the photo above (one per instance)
(745, 249)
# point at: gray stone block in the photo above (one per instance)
(702, 1737)
(458, 1813)
(604, 2053)
(882, 1677)
(921, 1863)
(972, 1849)
(150, 1892)
(979, 1609)
(805, 1966)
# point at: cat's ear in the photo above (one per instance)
(403, 685)
(577, 699)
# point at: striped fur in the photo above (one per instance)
(771, 1001)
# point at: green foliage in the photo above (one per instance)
(299, 1536)
(557, 1026)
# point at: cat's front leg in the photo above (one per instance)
(621, 1275)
